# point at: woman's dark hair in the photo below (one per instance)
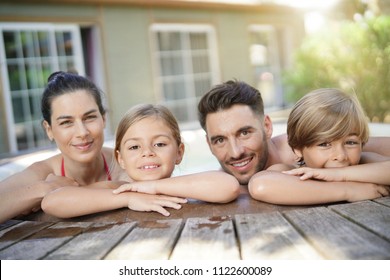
(60, 83)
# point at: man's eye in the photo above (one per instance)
(65, 123)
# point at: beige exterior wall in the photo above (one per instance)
(127, 66)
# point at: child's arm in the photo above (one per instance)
(211, 186)
(276, 187)
(70, 202)
(377, 173)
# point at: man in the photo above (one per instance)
(240, 135)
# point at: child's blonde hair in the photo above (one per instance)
(140, 112)
(325, 115)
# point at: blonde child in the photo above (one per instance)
(148, 146)
(326, 130)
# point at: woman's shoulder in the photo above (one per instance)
(117, 173)
(47, 166)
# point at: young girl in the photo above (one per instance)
(148, 146)
(326, 130)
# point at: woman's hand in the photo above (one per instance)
(157, 203)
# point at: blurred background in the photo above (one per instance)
(172, 52)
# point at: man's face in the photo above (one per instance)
(238, 139)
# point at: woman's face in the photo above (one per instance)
(148, 150)
(77, 126)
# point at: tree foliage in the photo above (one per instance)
(354, 58)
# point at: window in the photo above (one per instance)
(31, 52)
(187, 67)
(264, 57)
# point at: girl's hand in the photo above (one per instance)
(142, 187)
(324, 174)
(148, 203)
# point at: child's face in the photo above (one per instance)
(149, 151)
(339, 153)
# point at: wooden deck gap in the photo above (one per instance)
(120, 240)
(304, 236)
(359, 224)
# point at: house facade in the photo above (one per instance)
(166, 52)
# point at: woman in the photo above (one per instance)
(73, 117)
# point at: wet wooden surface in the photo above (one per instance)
(244, 229)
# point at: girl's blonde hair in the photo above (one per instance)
(325, 115)
(140, 112)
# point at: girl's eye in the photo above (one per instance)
(135, 147)
(160, 144)
(352, 142)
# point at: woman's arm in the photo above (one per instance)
(70, 202)
(23, 192)
(211, 186)
(280, 188)
(377, 173)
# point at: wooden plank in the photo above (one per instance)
(270, 236)
(149, 240)
(11, 235)
(9, 223)
(43, 242)
(371, 215)
(384, 200)
(336, 237)
(92, 244)
(207, 238)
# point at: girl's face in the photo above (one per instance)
(148, 150)
(339, 153)
(77, 126)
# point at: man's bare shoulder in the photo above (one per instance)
(285, 152)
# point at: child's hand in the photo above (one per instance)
(362, 191)
(324, 174)
(147, 203)
(142, 187)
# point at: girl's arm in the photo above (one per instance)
(211, 186)
(279, 188)
(377, 173)
(70, 202)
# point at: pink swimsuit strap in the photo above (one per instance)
(105, 168)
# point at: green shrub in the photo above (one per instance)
(355, 58)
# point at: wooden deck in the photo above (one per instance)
(241, 230)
